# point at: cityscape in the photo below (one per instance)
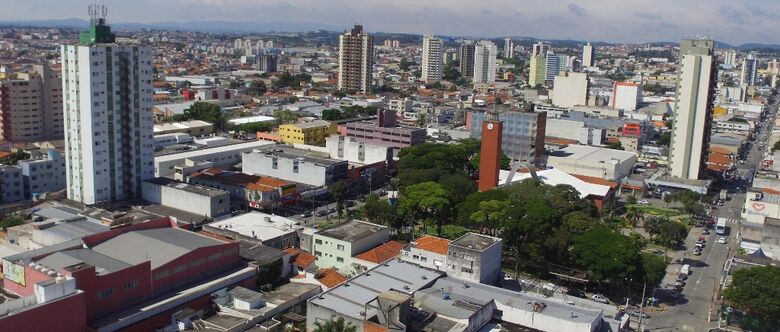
(362, 170)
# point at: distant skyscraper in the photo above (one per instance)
(466, 57)
(268, 62)
(356, 60)
(588, 55)
(536, 72)
(540, 48)
(509, 48)
(749, 71)
(696, 79)
(730, 58)
(485, 54)
(107, 97)
(432, 59)
(552, 66)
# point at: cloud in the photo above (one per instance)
(733, 15)
(648, 16)
(577, 10)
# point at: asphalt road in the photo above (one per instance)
(692, 310)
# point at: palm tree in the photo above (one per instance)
(633, 215)
(334, 325)
(421, 120)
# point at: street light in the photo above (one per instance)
(628, 293)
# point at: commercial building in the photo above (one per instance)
(356, 60)
(466, 57)
(357, 152)
(296, 165)
(540, 48)
(749, 71)
(593, 161)
(575, 130)
(485, 53)
(472, 257)
(588, 55)
(626, 96)
(246, 190)
(223, 157)
(697, 76)
(595, 189)
(523, 133)
(31, 106)
(270, 230)
(310, 133)
(190, 127)
(334, 247)
(570, 89)
(122, 274)
(553, 65)
(385, 131)
(432, 59)
(107, 94)
(187, 197)
(43, 175)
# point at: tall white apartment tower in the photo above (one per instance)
(107, 101)
(356, 60)
(432, 59)
(749, 71)
(509, 48)
(485, 53)
(588, 55)
(540, 48)
(696, 79)
(730, 58)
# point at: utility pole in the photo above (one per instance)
(642, 306)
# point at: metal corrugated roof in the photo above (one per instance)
(159, 245)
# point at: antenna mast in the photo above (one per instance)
(97, 14)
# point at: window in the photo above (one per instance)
(340, 247)
(317, 253)
(131, 285)
(339, 259)
(466, 270)
(317, 241)
(105, 293)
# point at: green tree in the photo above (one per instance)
(287, 80)
(690, 200)
(653, 269)
(776, 146)
(405, 64)
(427, 202)
(667, 199)
(665, 138)
(254, 127)
(13, 158)
(672, 234)
(756, 291)
(331, 114)
(206, 112)
(257, 87)
(379, 211)
(10, 221)
(338, 191)
(471, 205)
(504, 161)
(631, 200)
(634, 216)
(490, 214)
(334, 325)
(615, 145)
(606, 254)
(285, 116)
(653, 225)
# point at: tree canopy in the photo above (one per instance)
(428, 202)
(756, 291)
(335, 325)
(287, 80)
(606, 254)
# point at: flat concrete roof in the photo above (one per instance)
(257, 225)
(309, 156)
(208, 151)
(351, 231)
(592, 153)
(191, 188)
(475, 241)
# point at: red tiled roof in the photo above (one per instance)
(719, 159)
(301, 258)
(558, 140)
(433, 244)
(330, 277)
(382, 253)
(596, 180)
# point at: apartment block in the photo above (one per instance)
(310, 133)
(334, 247)
(356, 60)
(31, 106)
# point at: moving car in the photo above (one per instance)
(599, 298)
(705, 231)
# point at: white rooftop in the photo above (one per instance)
(258, 225)
(202, 152)
(555, 177)
(250, 119)
(179, 125)
(592, 153)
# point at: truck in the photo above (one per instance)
(720, 227)
(724, 194)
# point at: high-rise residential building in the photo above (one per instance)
(540, 48)
(522, 136)
(696, 79)
(536, 72)
(356, 60)
(432, 59)
(749, 71)
(485, 54)
(570, 89)
(730, 58)
(588, 55)
(626, 96)
(552, 66)
(107, 97)
(509, 48)
(31, 106)
(268, 62)
(466, 57)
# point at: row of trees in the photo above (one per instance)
(350, 112)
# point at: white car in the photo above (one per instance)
(643, 202)
(599, 298)
(722, 240)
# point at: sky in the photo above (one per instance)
(731, 21)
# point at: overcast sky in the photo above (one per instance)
(730, 21)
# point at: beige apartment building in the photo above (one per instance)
(31, 106)
(356, 60)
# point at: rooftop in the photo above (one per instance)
(591, 153)
(208, 151)
(191, 188)
(382, 253)
(183, 125)
(433, 244)
(158, 245)
(475, 241)
(259, 253)
(251, 119)
(554, 177)
(311, 124)
(351, 231)
(329, 277)
(308, 156)
(63, 259)
(257, 225)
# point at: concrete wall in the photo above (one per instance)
(65, 314)
(349, 149)
(201, 204)
(308, 172)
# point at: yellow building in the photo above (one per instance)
(537, 72)
(310, 133)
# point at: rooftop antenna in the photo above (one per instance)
(97, 14)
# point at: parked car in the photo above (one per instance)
(722, 240)
(635, 313)
(599, 298)
(322, 213)
(643, 202)
(697, 252)
(705, 231)
(306, 214)
(576, 293)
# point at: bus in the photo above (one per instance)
(720, 227)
